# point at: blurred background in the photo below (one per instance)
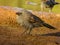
(28, 4)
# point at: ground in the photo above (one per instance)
(10, 30)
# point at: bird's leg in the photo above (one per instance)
(29, 31)
(24, 32)
(50, 11)
(42, 7)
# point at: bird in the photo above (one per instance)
(48, 4)
(30, 21)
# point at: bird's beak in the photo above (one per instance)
(18, 13)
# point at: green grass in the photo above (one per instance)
(22, 3)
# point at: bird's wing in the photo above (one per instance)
(32, 19)
(52, 1)
(35, 19)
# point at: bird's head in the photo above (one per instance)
(23, 12)
(18, 13)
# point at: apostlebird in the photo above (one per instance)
(48, 4)
(29, 21)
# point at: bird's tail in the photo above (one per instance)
(57, 3)
(48, 26)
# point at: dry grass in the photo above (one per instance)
(10, 31)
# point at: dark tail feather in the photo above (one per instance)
(57, 3)
(48, 26)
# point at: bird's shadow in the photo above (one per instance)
(52, 34)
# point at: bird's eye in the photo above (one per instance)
(18, 13)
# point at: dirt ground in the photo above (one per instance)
(10, 31)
